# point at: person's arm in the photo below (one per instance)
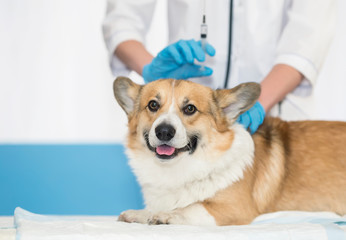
(125, 20)
(305, 39)
(301, 49)
(177, 60)
(280, 81)
(134, 55)
(300, 53)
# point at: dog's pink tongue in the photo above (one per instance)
(165, 150)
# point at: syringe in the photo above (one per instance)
(204, 32)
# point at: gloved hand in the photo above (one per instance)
(177, 61)
(252, 118)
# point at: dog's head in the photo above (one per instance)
(176, 117)
(170, 118)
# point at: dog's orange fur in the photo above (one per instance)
(297, 166)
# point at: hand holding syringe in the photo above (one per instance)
(177, 60)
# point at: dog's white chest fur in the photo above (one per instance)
(191, 178)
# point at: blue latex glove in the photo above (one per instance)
(177, 61)
(252, 118)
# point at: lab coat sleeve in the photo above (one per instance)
(306, 37)
(125, 20)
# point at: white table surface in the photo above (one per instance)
(7, 230)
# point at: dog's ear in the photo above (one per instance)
(126, 92)
(237, 100)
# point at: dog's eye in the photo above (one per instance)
(189, 109)
(153, 106)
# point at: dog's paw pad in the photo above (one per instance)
(165, 218)
(157, 220)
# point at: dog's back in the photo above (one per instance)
(309, 162)
(297, 166)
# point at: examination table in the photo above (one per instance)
(292, 225)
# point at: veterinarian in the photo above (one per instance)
(281, 44)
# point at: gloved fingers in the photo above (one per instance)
(257, 114)
(197, 50)
(240, 119)
(146, 74)
(245, 120)
(191, 50)
(209, 49)
(261, 111)
(193, 70)
(252, 118)
(256, 120)
(172, 52)
(200, 71)
(253, 127)
(185, 49)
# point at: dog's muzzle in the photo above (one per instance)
(165, 132)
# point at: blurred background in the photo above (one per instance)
(61, 131)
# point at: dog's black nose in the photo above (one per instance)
(165, 132)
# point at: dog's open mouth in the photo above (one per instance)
(166, 152)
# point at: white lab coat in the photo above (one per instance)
(266, 32)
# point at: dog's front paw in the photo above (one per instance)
(135, 216)
(166, 218)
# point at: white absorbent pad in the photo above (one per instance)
(280, 225)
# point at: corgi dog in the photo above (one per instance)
(196, 165)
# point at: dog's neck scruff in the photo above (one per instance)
(184, 144)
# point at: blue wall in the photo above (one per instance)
(67, 179)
